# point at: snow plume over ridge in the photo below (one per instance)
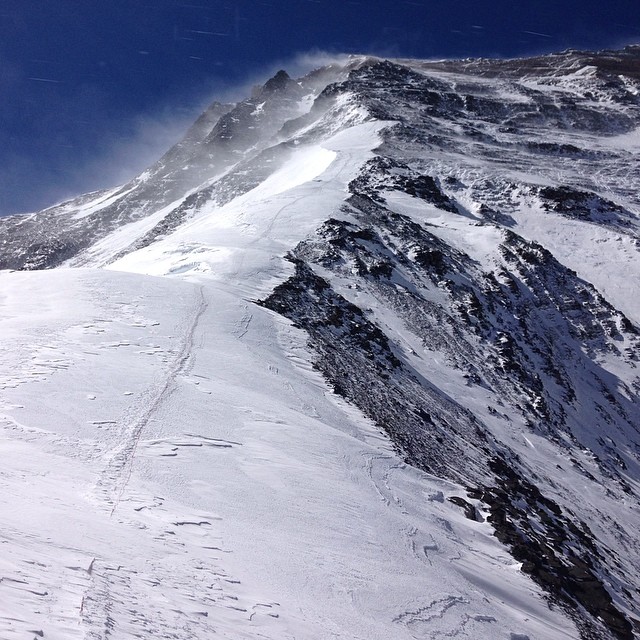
(355, 357)
(121, 146)
(230, 149)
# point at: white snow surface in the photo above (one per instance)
(179, 471)
(245, 239)
(175, 468)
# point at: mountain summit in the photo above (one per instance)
(357, 358)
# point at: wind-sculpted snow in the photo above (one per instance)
(372, 370)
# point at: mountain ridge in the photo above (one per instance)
(456, 242)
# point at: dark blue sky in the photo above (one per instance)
(92, 90)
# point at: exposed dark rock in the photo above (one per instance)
(543, 538)
(507, 311)
(470, 511)
(360, 364)
(585, 205)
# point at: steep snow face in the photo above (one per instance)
(357, 358)
(244, 241)
(179, 470)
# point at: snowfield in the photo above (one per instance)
(246, 239)
(174, 468)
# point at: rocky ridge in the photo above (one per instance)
(443, 234)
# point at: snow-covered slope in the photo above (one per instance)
(356, 359)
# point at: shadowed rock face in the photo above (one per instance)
(496, 333)
(525, 328)
(426, 281)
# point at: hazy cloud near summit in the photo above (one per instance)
(115, 150)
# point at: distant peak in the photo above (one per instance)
(278, 82)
